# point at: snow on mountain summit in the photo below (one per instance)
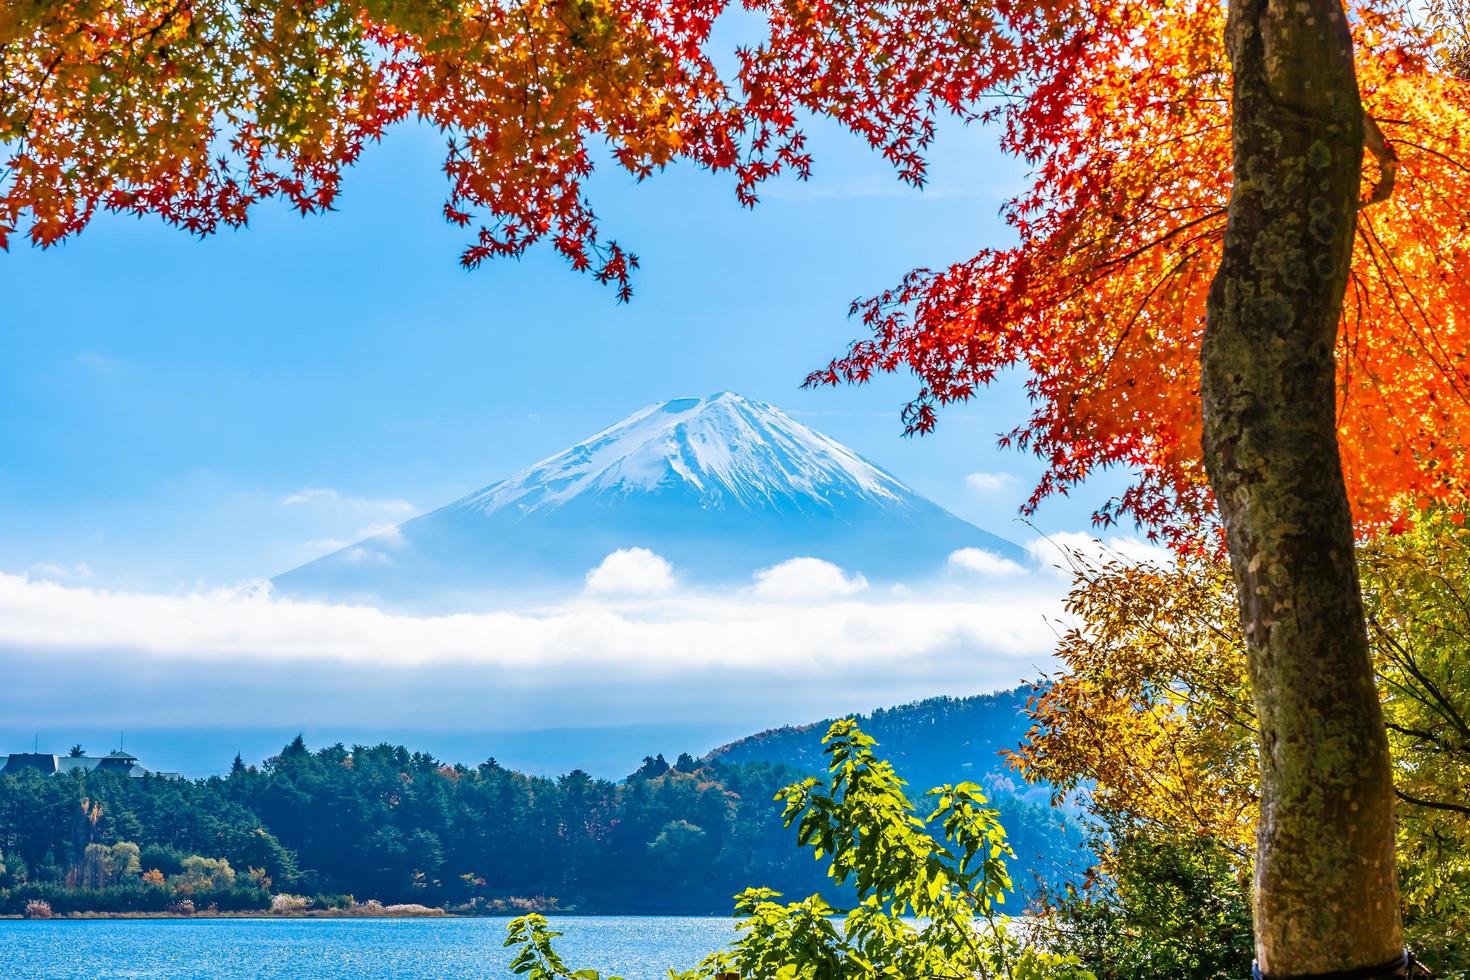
(719, 487)
(725, 449)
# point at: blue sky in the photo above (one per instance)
(161, 396)
(179, 416)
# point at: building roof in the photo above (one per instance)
(116, 761)
(42, 761)
(71, 763)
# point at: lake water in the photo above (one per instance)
(636, 947)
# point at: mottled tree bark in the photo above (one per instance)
(1326, 895)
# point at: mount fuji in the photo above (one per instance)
(719, 486)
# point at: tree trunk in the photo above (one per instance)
(1326, 892)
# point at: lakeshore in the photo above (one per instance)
(387, 912)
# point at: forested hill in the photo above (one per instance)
(930, 742)
(383, 822)
(938, 741)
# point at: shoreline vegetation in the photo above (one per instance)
(369, 910)
(387, 912)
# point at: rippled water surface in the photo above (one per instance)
(638, 948)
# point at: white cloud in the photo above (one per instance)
(984, 562)
(328, 499)
(247, 657)
(631, 571)
(52, 571)
(806, 579)
(320, 495)
(339, 519)
(667, 635)
(991, 483)
(384, 534)
(1054, 551)
(388, 534)
(365, 556)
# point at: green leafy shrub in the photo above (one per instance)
(928, 890)
(135, 896)
(1164, 906)
(536, 957)
(121, 898)
(167, 860)
(203, 874)
(237, 898)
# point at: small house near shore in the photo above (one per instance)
(46, 764)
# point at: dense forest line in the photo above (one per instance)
(382, 822)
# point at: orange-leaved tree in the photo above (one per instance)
(1196, 288)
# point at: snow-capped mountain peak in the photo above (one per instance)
(718, 487)
(727, 450)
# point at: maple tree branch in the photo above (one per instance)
(1388, 160)
(1431, 804)
(1172, 273)
(1379, 254)
(1164, 239)
(1427, 738)
(1437, 700)
(1435, 153)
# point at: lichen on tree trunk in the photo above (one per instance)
(1326, 895)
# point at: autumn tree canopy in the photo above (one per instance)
(1120, 238)
(1151, 709)
(197, 110)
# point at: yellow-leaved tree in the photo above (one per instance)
(1151, 711)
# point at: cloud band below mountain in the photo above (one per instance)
(236, 655)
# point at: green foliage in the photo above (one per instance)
(124, 858)
(1152, 712)
(14, 873)
(202, 874)
(49, 870)
(926, 903)
(331, 901)
(1415, 594)
(168, 861)
(537, 960)
(652, 768)
(681, 852)
(1167, 906)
